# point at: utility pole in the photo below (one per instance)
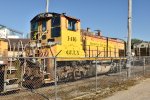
(129, 38)
(47, 5)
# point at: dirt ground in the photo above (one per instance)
(84, 89)
(131, 89)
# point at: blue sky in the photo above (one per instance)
(110, 16)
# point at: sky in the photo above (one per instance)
(109, 16)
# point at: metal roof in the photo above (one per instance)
(12, 30)
(51, 14)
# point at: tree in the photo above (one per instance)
(134, 41)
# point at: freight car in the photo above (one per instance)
(57, 34)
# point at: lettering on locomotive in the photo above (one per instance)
(72, 52)
(74, 39)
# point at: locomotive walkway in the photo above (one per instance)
(140, 91)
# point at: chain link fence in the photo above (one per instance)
(53, 78)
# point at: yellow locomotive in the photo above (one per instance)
(63, 33)
(54, 34)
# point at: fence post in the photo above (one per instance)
(22, 72)
(133, 66)
(55, 68)
(55, 65)
(143, 66)
(5, 77)
(128, 66)
(120, 66)
(44, 65)
(96, 75)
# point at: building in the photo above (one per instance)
(14, 39)
(6, 32)
(142, 49)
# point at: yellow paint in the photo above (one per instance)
(3, 47)
(98, 46)
(70, 42)
(71, 45)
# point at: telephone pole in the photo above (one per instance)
(129, 38)
(47, 5)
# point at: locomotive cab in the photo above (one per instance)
(46, 28)
(53, 33)
(59, 32)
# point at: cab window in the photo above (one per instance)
(72, 24)
(44, 25)
(34, 35)
(55, 26)
(34, 26)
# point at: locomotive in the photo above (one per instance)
(74, 50)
